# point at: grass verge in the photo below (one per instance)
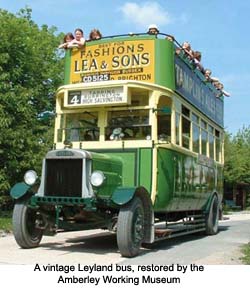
(6, 221)
(246, 252)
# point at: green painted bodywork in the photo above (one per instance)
(164, 63)
(111, 167)
(67, 66)
(128, 159)
(145, 168)
(183, 183)
(128, 169)
(19, 190)
(136, 168)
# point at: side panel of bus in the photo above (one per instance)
(183, 184)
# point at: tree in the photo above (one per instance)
(30, 71)
(237, 157)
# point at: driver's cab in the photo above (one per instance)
(78, 126)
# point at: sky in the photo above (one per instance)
(217, 28)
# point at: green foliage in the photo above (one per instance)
(248, 201)
(246, 251)
(30, 71)
(237, 157)
(5, 221)
(226, 210)
(6, 203)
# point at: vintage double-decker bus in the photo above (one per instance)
(138, 148)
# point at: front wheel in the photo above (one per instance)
(213, 217)
(130, 228)
(24, 220)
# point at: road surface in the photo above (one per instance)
(100, 247)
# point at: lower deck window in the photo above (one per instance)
(128, 125)
(204, 142)
(177, 128)
(185, 133)
(164, 127)
(196, 138)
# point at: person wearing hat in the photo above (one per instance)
(153, 29)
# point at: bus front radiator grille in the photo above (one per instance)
(63, 177)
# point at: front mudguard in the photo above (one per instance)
(19, 190)
(123, 195)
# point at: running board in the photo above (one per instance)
(188, 225)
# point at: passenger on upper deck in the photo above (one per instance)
(225, 93)
(170, 38)
(66, 40)
(207, 74)
(197, 61)
(95, 34)
(79, 40)
(153, 29)
(219, 86)
(186, 49)
(208, 77)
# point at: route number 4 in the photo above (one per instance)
(75, 100)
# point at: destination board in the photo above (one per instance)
(96, 96)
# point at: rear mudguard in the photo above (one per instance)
(208, 203)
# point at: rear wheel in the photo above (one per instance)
(130, 228)
(213, 217)
(26, 234)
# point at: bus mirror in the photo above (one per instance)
(166, 110)
(46, 115)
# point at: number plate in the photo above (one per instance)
(95, 78)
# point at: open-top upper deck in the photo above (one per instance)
(145, 58)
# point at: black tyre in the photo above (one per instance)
(130, 228)
(24, 226)
(213, 217)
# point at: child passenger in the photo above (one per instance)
(66, 40)
(79, 40)
(95, 34)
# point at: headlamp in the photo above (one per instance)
(97, 178)
(30, 177)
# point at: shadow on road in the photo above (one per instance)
(105, 242)
(99, 243)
